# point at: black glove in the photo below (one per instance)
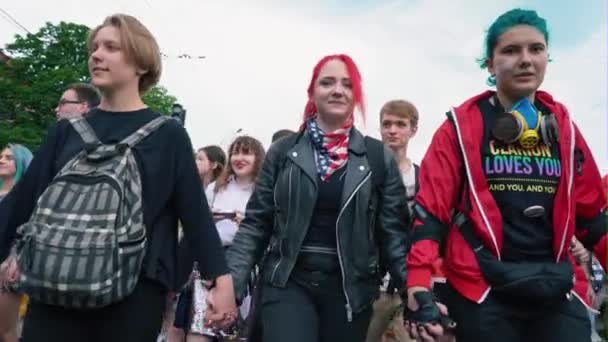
(428, 312)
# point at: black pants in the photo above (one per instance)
(310, 309)
(138, 318)
(255, 332)
(499, 320)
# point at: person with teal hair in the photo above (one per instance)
(506, 185)
(14, 160)
(505, 22)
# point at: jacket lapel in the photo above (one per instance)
(486, 213)
(357, 167)
(302, 155)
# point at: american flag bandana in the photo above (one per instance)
(331, 149)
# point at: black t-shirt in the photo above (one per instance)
(518, 179)
(171, 190)
(319, 249)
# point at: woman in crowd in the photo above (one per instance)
(326, 221)
(14, 160)
(229, 194)
(210, 162)
(124, 63)
(506, 183)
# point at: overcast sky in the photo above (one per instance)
(260, 54)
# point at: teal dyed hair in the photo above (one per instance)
(23, 156)
(502, 24)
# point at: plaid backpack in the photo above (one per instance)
(85, 241)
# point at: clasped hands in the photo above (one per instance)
(221, 304)
(432, 324)
(9, 271)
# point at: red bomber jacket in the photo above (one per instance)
(578, 206)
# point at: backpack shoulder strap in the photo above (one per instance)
(416, 178)
(144, 131)
(86, 132)
(464, 225)
(375, 158)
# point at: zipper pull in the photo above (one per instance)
(349, 313)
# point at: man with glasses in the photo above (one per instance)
(77, 100)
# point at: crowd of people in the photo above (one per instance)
(109, 233)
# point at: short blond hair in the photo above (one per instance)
(139, 45)
(401, 108)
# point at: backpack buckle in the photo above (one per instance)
(91, 147)
(107, 152)
(121, 148)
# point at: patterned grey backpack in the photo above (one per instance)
(85, 241)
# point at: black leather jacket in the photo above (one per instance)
(279, 212)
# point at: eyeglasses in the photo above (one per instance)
(64, 101)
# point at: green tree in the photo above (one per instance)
(159, 100)
(43, 65)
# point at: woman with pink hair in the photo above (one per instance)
(323, 218)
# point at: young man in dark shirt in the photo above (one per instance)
(124, 63)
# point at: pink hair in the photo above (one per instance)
(355, 78)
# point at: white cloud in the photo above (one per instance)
(260, 55)
(577, 78)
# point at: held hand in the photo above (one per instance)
(13, 269)
(424, 332)
(579, 252)
(222, 310)
(9, 270)
(428, 332)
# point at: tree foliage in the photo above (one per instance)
(159, 100)
(43, 64)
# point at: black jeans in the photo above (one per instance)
(311, 308)
(255, 332)
(501, 320)
(138, 318)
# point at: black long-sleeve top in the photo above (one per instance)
(172, 191)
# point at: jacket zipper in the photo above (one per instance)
(349, 309)
(280, 240)
(569, 189)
